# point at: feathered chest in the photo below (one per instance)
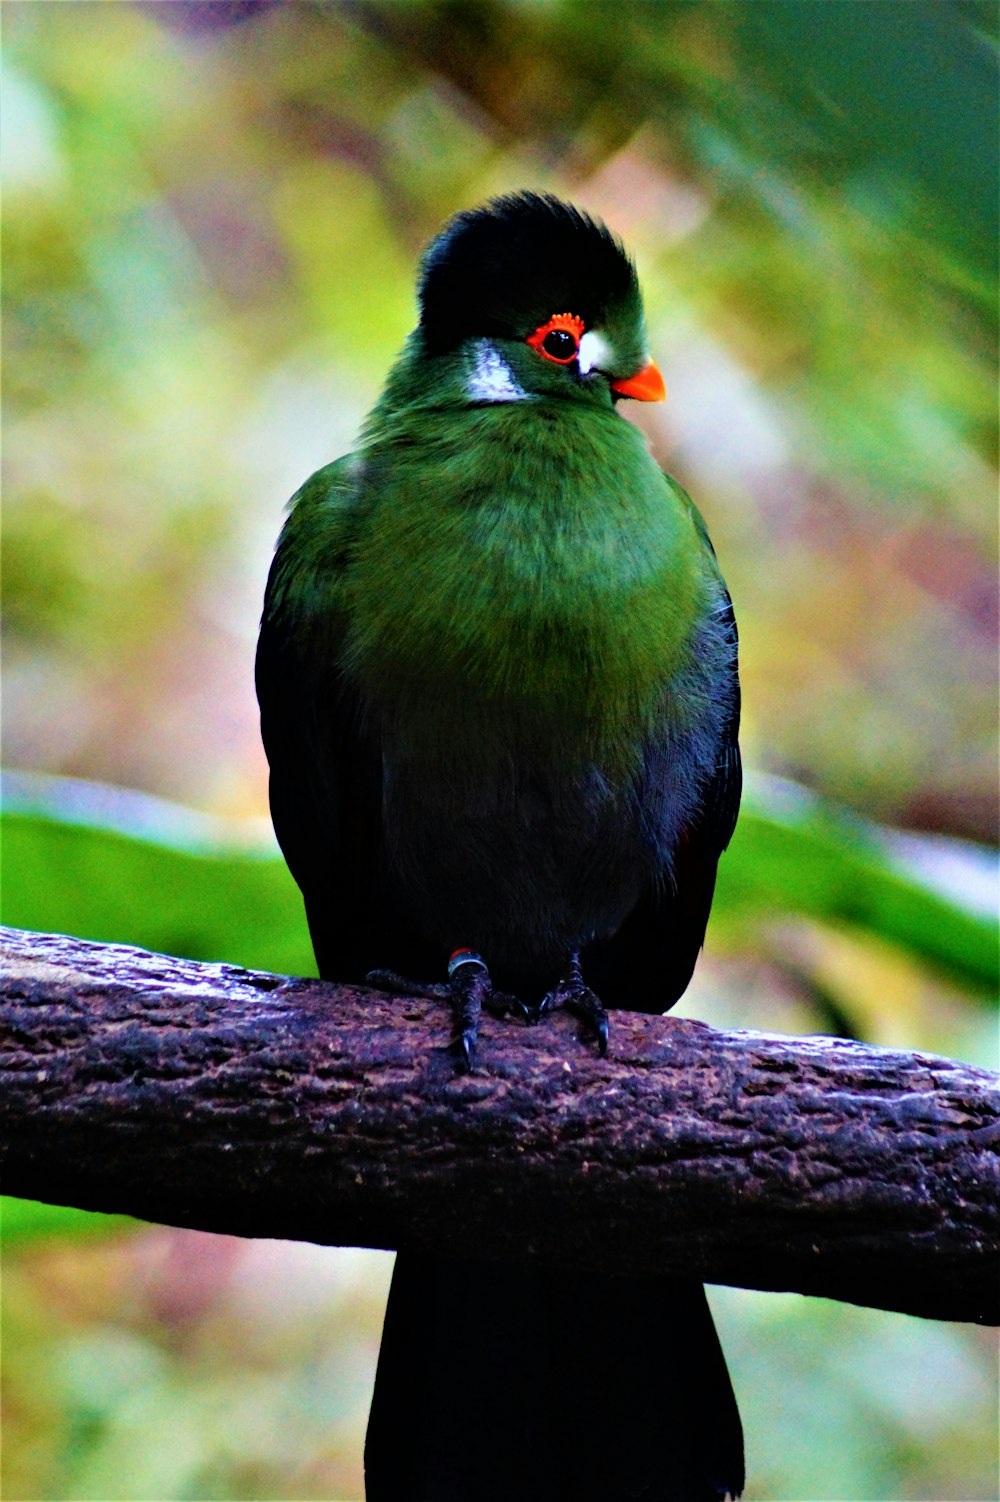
(539, 567)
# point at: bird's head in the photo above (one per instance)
(536, 299)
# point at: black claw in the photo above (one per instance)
(575, 996)
(465, 1045)
(588, 1010)
(503, 1004)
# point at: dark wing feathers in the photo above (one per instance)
(325, 758)
(646, 966)
(325, 785)
(309, 799)
(722, 796)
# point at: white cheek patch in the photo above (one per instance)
(491, 378)
(595, 353)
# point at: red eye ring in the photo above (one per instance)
(558, 349)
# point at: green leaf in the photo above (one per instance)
(24, 1221)
(810, 861)
(102, 884)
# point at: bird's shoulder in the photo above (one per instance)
(303, 701)
(305, 582)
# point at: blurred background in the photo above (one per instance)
(214, 213)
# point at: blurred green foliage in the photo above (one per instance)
(245, 909)
(213, 216)
(30, 1220)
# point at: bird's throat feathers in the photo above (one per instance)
(524, 563)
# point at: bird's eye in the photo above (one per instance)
(558, 338)
(559, 344)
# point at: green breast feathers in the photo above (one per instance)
(519, 556)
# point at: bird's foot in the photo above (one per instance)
(468, 991)
(574, 995)
(404, 985)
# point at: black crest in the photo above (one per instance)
(501, 270)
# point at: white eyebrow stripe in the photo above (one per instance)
(595, 352)
(491, 378)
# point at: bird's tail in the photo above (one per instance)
(503, 1383)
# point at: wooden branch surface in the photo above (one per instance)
(212, 1097)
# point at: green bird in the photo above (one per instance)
(498, 683)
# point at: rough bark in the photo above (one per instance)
(213, 1097)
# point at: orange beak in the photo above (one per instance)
(645, 386)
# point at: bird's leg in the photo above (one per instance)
(468, 991)
(575, 996)
(471, 990)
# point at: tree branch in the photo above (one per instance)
(214, 1097)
